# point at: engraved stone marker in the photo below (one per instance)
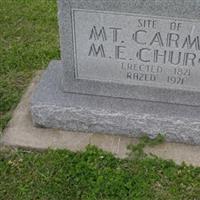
(128, 67)
(136, 49)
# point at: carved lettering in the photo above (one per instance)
(97, 35)
(135, 49)
(96, 51)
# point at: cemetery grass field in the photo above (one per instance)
(28, 41)
(94, 175)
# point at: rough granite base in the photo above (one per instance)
(53, 108)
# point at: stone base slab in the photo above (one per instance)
(53, 108)
(21, 133)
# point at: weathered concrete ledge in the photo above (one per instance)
(21, 133)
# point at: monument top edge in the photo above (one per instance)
(171, 8)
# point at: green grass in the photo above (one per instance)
(28, 41)
(94, 175)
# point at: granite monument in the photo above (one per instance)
(127, 67)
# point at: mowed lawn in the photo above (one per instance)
(28, 41)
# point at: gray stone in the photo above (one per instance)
(20, 132)
(132, 49)
(173, 9)
(53, 108)
(90, 89)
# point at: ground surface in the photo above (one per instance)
(28, 41)
(93, 175)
